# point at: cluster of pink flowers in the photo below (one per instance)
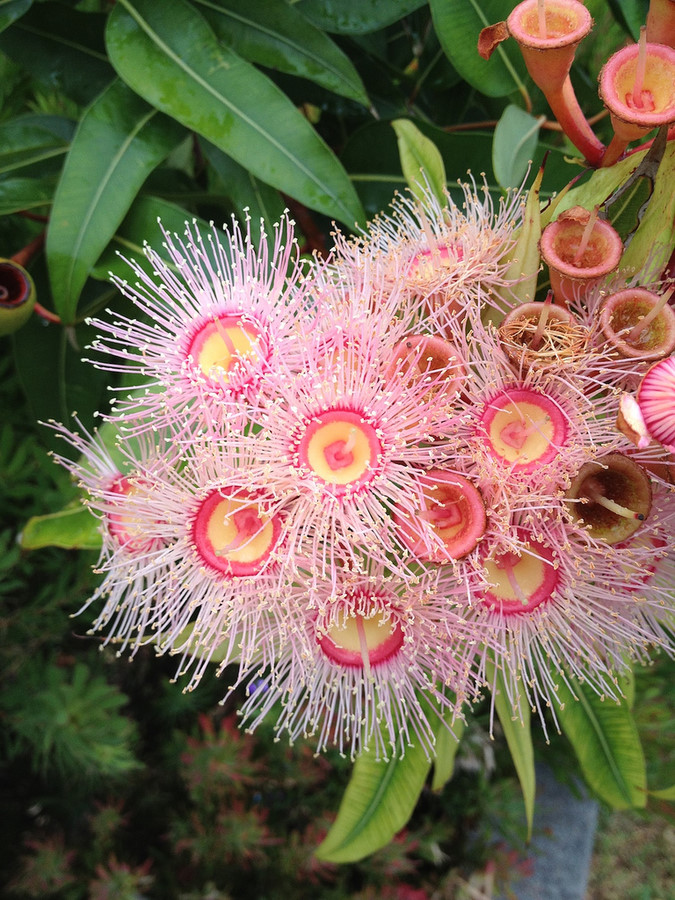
(343, 477)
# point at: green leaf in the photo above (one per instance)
(249, 196)
(664, 794)
(11, 10)
(378, 802)
(29, 141)
(607, 744)
(25, 193)
(631, 14)
(71, 528)
(169, 55)
(421, 160)
(63, 48)
(458, 26)
(514, 717)
(514, 145)
(447, 745)
(276, 35)
(356, 16)
(118, 143)
(141, 225)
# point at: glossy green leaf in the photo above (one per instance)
(421, 159)
(356, 16)
(63, 48)
(26, 194)
(71, 528)
(169, 55)
(276, 35)
(11, 10)
(118, 143)
(250, 197)
(447, 745)
(607, 744)
(516, 725)
(377, 803)
(514, 145)
(458, 26)
(141, 225)
(28, 141)
(631, 14)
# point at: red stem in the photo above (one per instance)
(567, 111)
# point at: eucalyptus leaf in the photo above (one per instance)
(71, 528)
(277, 35)
(63, 48)
(605, 739)
(11, 10)
(514, 145)
(18, 194)
(141, 225)
(356, 16)
(28, 141)
(421, 160)
(252, 199)
(447, 745)
(170, 56)
(458, 26)
(377, 803)
(118, 143)
(515, 719)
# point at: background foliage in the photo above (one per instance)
(114, 115)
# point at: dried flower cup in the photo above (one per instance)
(548, 34)
(638, 323)
(661, 22)
(580, 250)
(637, 85)
(610, 498)
(541, 334)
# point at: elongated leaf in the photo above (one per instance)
(447, 745)
(64, 48)
(514, 145)
(119, 142)
(11, 10)
(28, 141)
(247, 193)
(664, 794)
(141, 224)
(421, 159)
(169, 55)
(516, 726)
(356, 16)
(25, 193)
(378, 801)
(275, 34)
(72, 528)
(607, 744)
(458, 26)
